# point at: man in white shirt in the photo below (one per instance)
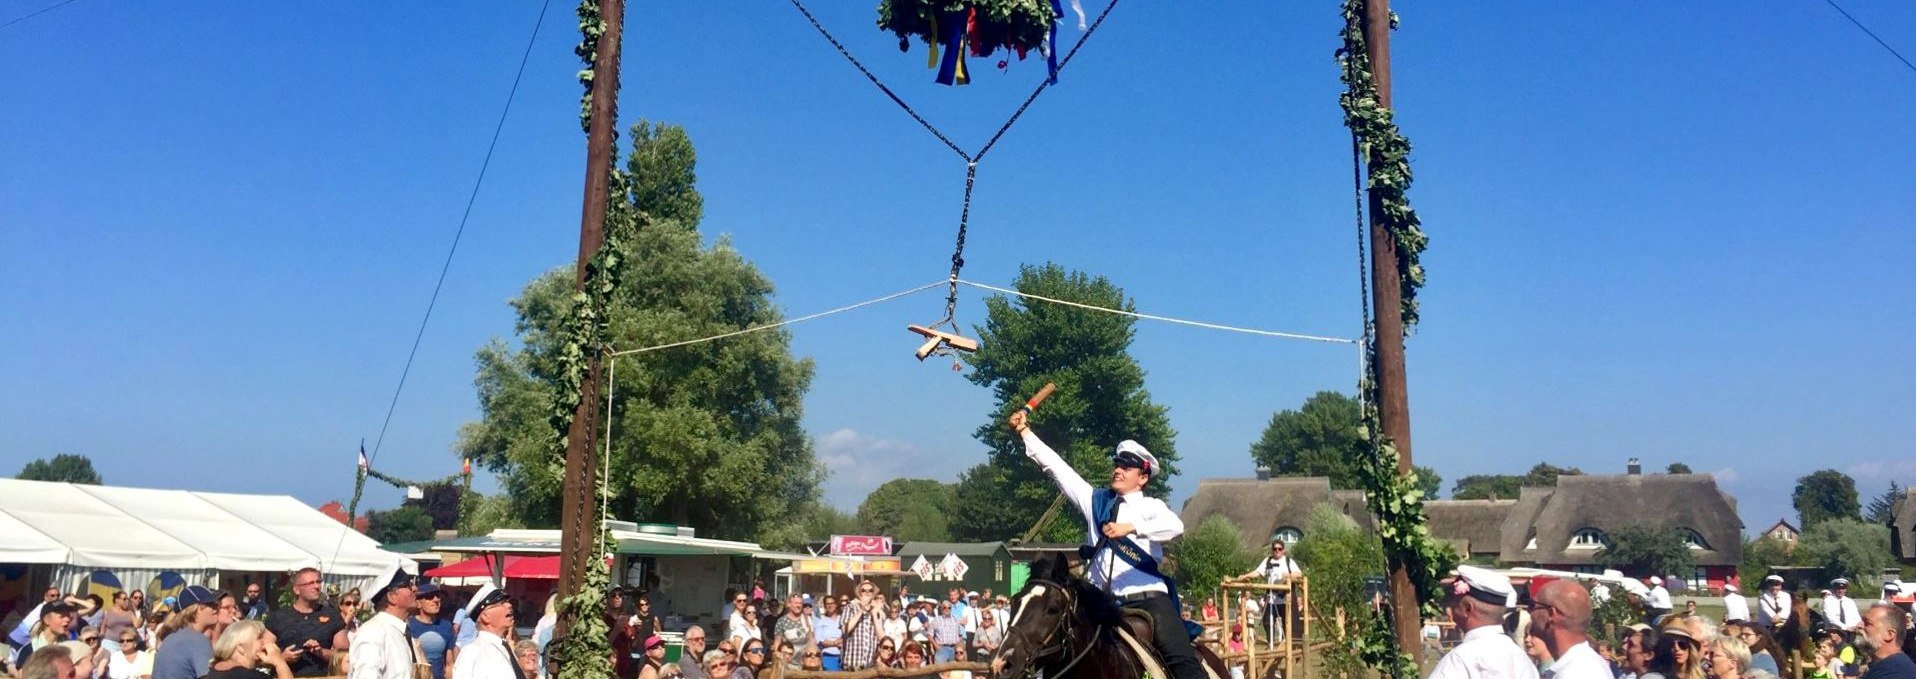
(382, 649)
(1658, 602)
(1477, 601)
(1840, 610)
(1735, 607)
(1128, 532)
(487, 656)
(1773, 605)
(1560, 616)
(1275, 568)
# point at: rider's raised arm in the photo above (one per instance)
(1157, 522)
(1069, 481)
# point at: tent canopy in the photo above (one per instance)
(138, 528)
(517, 567)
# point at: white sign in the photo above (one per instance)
(922, 568)
(953, 567)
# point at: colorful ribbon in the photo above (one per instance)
(951, 32)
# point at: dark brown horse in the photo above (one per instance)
(1062, 626)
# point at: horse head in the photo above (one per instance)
(1044, 623)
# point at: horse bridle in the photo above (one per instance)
(1063, 634)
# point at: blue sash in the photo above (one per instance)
(1104, 510)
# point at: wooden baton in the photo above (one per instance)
(1039, 397)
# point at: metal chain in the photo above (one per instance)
(958, 254)
(1363, 253)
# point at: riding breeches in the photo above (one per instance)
(1173, 643)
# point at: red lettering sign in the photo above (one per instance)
(861, 545)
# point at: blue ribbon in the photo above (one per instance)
(1104, 509)
(1051, 44)
(951, 34)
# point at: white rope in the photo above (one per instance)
(1166, 319)
(780, 324)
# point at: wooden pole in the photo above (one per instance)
(1393, 397)
(579, 531)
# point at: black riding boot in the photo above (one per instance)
(1174, 645)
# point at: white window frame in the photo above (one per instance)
(1291, 535)
(1588, 539)
(1694, 540)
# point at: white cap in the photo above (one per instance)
(1839, 582)
(1729, 586)
(1485, 585)
(396, 576)
(1131, 447)
(1656, 581)
(486, 596)
(1778, 579)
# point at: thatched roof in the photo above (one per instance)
(1608, 503)
(1474, 526)
(1259, 508)
(1902, 525)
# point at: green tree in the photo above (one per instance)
(1203, 557)
(405, 524)
(1648, 550)
(1848, 547)
(1759, 556)
(485, 513)
(441, 502)
(1487, 487)
(908, 510)
(65, 468)
(1340, 558)
(979, 514)
(705, 435)
(1509, 486)
(1100, 398)
(1320, 438)
(1882, 509)
(1825, 495)
(1678, 468)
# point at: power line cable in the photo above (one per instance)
(1872, 34)
(446, 266)
(25, 17)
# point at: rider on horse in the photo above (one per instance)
(1128, 530)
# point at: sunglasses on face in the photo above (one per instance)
(811, 654)
(755, 650)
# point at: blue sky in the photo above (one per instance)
(1660, 230)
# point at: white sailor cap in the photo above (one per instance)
(1656, 581)
(1484, 585)
(1839, 582)
(1778, 579)
(1893, 587)
(486, 596)
(393, 578)
(1133, 454)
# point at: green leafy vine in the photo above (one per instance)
(1386, 155)
(591, 27)
(1394, 499)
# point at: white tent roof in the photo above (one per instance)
(20, 543)
(96, 533)
(117, 527)
(340, 551)
(226, 544)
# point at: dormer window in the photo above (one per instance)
(1288, 535)
(1588, 538)
(1694, 540)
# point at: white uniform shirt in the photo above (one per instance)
(1659, 599)
(1580, 662)
(1153, 523)
(1485, 653)
(381, 650)
(1274, 570)
(1600, 593)
(1735, 607)
(1841, 612)
(1773, 609)
(485, 658)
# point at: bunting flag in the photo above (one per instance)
(364, 464)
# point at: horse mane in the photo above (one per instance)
(1094, 605)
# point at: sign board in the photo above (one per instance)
(861, 545)
(922, 568)
(953, 567)
(815, 566)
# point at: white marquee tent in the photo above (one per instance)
(137, 533)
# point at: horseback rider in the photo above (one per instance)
(1128, 531)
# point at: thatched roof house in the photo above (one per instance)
(1559, 527)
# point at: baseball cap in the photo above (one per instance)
(195, 594)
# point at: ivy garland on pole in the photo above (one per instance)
(1393, 498)
(586, 650)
